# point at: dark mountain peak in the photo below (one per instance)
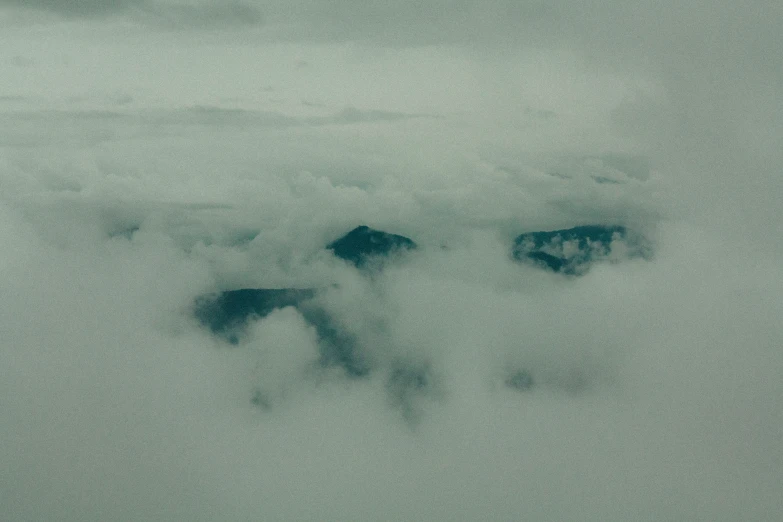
(583, 234)
(363, 243)
(228, 313)
(572, 250)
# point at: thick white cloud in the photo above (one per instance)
(151, 152)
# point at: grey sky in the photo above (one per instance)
(186, 14)
(153, 151)
(88, 8)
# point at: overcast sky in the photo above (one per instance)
(152, 151)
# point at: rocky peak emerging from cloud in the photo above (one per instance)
(363, 243)
(227, 314)
(571, 251)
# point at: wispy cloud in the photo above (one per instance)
(182, 14)
(25, 126)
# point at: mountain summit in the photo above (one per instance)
(363, 243)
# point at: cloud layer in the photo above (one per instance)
(154, 152)
(171, 15)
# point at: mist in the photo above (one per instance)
(156, 152)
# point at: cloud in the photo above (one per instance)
(641, 390)
(101, 125)
(353, 115)
(79, 8)
(171, 14)
(204, 15)
(348, 115)
(130, 394)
